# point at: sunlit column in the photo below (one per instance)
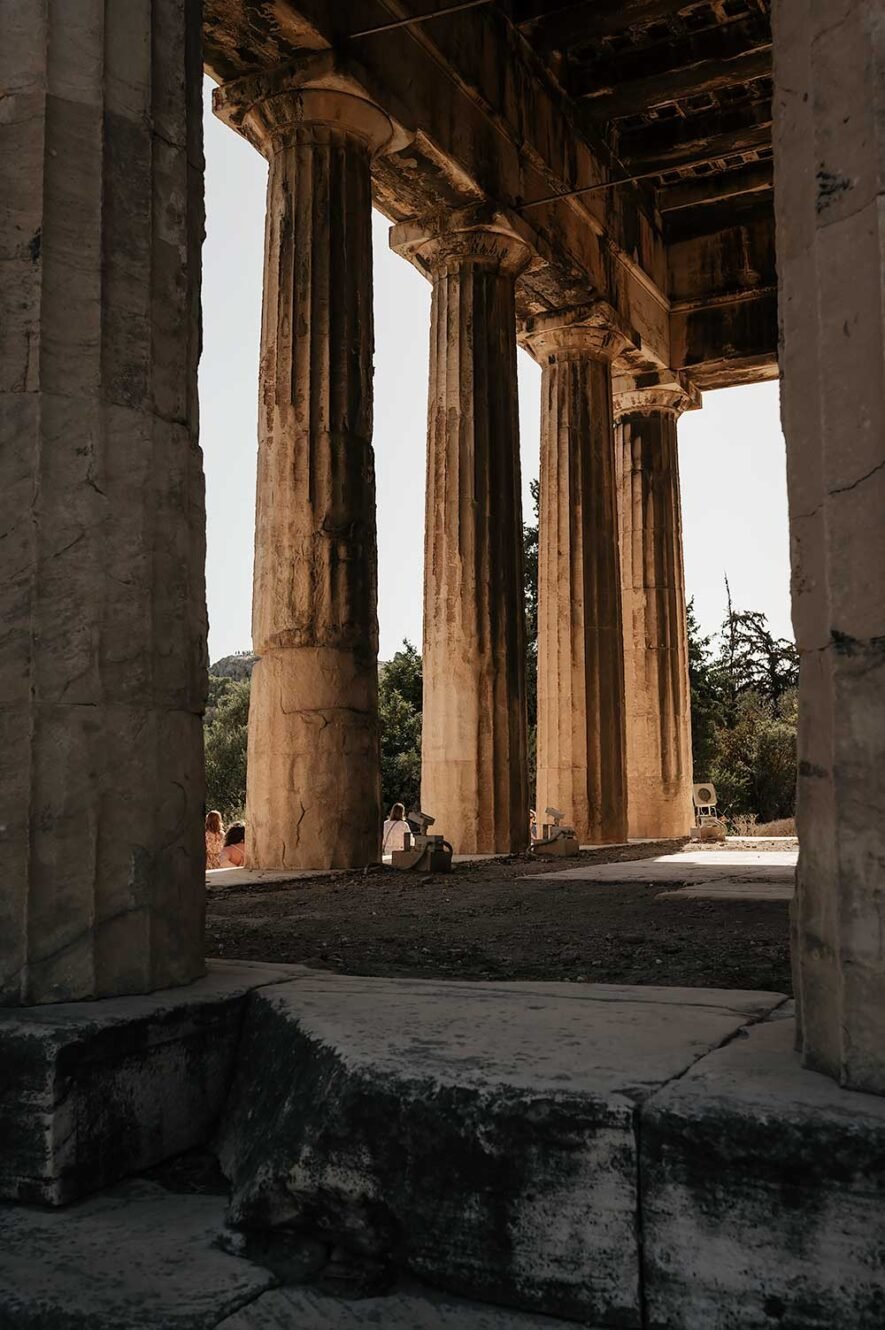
(313, 762)
(474, 778)
(581, 765)
(658, 711)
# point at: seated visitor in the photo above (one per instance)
(214, 839)
(234, 853)
(396, 828)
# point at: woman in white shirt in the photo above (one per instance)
(396, 828)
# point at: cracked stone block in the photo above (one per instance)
(94, 1091)
(479, 1136)
(137, 1257)
(763, 1195)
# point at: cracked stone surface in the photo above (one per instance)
(763, 1194)
(481, 1136)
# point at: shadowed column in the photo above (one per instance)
(103, 644)
(474, 778)
(313, 798)
(580, 654)
(658, 712)
(829, 146)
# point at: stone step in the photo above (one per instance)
(480, 1136)
(139, 1257)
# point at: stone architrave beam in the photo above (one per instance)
(313, 797)
(658, 711)
(581, 739)
(102, 604)
(474, 776)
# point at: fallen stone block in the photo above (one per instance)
(93, 1092)
(480, 1136)
(763, 1195)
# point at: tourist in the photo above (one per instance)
(234, 853)
(396, 828)
(214, 839)
(534, 830)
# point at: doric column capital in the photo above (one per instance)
(595, 330)
(654, 391)
(271, 108)
(474, 235)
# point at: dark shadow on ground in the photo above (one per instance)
(486, 921)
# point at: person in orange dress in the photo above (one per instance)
(214, 839)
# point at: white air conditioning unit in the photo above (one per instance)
(704, 795)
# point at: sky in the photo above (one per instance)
(731, 453)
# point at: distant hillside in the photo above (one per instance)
(238, 666)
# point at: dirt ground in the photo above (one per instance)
(483, 922)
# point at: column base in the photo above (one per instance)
(314, 769)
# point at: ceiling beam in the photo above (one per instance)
(671, 143)
(632, 82)
(698, 192)
(577, 24)
(722, 215)
(708, 150)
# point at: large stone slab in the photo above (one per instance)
(479, 1135)
(304, 1309)
(763, 1195)
(137, 1258)
(94, 1091)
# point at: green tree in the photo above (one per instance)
(754, 769)
(707, 700)
(400, 688)
(225, 732)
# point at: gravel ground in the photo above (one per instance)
(483, 922)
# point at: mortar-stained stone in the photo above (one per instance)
(481, 1136)
(763, 1190)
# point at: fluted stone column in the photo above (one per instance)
(581, 759)
(313, 793)
(658, 709)
(474, 777)
(102, 605)
(829, 146)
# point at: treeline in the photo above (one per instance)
(744, 712)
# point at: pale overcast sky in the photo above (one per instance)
(731, 453)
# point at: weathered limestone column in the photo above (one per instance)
(313, 796)
(474, 777)
(102, 605)
(658, 708)
(830, 176)
(581, 743)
